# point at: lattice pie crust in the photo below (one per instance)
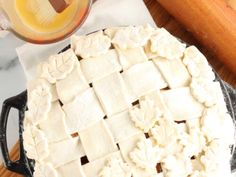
(127, 101)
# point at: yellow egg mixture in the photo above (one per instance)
(59, 21)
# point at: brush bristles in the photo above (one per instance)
(43, 10)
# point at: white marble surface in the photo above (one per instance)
(12, 81)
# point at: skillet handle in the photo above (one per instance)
(18, 102)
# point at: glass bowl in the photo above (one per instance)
(27, 33)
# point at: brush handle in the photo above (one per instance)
(60, 5)
(212, 22)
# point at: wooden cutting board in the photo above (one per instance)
(162, 19)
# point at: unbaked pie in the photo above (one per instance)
(127, 102)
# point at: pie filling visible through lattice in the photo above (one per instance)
(127, 101)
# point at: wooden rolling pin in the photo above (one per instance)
(212, 22)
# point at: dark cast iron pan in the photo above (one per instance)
(25, 166)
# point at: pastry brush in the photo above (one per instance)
(46, 10)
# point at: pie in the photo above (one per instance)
(128, 102)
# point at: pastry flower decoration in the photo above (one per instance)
(214, 120)
(177, 165)
(146, 116)
(39, 104)
(165, 133)
(58, 66)
(35, 143)
(132, 37)
(197, 64)
(92, 45)
(216, 159)
(165, 45)
(44, 170)
(203, 91)
(145, 155)
(116, 167)
(211, 123)
(193, 142)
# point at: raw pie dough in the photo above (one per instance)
(128, 102)
(55, 121)
(72, 85)
(129, 57)
(121, 126)
(170, 68)
(89, 109)
(95, 141)
(112, 93)
(182, 104)
(149, 79)
(95, 68)
(58, 66)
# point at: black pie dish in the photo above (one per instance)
(25, 166)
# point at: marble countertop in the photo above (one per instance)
(12, 81)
